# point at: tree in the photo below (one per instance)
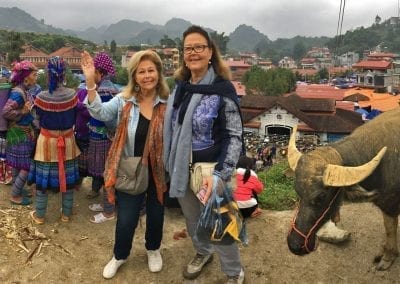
(178, 43)
(167, 42)
(273, 82)
(113, 47)
(221, 40)
(121, 76)
(323, 73)
(14, 47)
(299, 50)
(378, 19)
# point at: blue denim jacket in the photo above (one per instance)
(111, 112)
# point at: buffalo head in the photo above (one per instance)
(319, 180)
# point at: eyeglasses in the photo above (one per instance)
(197, 48)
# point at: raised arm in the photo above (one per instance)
(88, 69)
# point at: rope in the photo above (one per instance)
(310, 232)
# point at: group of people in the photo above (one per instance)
(50, 139)
(198, 122)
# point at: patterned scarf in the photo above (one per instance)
(155, 149)
(115, 152)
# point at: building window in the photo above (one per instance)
(278, 116)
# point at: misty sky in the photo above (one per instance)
(274, 18)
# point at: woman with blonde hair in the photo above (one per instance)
(138, 111)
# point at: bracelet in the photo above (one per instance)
(91, 89)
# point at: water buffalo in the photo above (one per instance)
(370, 157)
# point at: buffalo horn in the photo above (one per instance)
(293, 154)
(336, 175)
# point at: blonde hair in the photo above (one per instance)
(131, 90)
(220, 67)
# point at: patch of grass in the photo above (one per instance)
(278, 191)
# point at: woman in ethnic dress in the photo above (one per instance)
(99, 137)
(20, 134)
(55, 166)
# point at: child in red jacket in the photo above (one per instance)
(247, 187)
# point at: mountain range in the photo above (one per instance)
(126, 31)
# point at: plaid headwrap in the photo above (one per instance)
(21, 70)
(103, 62)
(56, 72)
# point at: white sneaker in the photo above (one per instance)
(154, 260)
(112, 267)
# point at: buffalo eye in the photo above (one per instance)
(319, 199)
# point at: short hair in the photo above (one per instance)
(183, 73)
(131, 89)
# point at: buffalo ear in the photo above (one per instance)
(358, 193)
(337, 176)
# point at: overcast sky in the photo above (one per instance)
(274, 18)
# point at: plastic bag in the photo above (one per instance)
(220, 220)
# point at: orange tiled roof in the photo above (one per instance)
(67, 51)
(308, 60)
(319, 91)
(345, 105)
(372, 64)
(380, 101)
(30, 51)
(382, 54)
(239, 87)
(237, 63)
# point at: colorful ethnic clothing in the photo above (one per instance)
(20, 136)
(4, 90)
(99, 134)
(55, 163)
(82, 132)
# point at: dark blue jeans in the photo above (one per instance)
(128, 210)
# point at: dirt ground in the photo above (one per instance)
(76, 252)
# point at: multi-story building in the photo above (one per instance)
(71, 55)
(287, 63)
(317, 58)
(375, 74)
(238, 68)
(348, 59)
(170, 59)
(34, 55)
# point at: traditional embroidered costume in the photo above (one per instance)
(20, 135)
(56, 149)
(55, 165)
(100, 133)
(5, 170)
